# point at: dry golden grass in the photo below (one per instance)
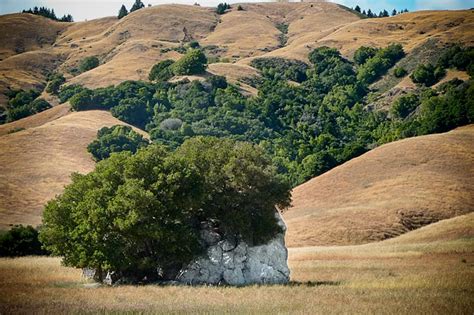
(36, 163)
(386, 192)
(387, 278)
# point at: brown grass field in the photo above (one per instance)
(386, 192)
(422, 272)
(36, 163)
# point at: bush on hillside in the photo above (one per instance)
(193, 62)
(115, 139)
(137, 6)
(20, 241)
(399, 72)
(54, 83)
(136, 214)
(377, 65)
(23, 104)
(294, 70)
(161, 71)
(427, 74)
(363, 53)
(88, 63)
(404, 105)
(123, 12)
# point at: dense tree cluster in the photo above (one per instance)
(115, 139)
(137, 214)
(374, 63)
(23, 104)
(306, 129)
(288, 69)
(49, 13)
(383, 13)
(20, 241)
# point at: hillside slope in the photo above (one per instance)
(36, 163)
(386, 192)
(127, 48)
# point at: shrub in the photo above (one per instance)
(55, 82)
(399, 72)
(88, 63)
(289, 69)
(427, 74)
(239, 8)
(20, 241)
(115, 139)
(217, 81)
(404, 105)
(193, 62)
(133, 111)
(377, 65)
(363, 53)
(23, 104)
(83, 100)
(161, 71)
(135, 214)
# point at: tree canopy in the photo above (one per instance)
(135, 213)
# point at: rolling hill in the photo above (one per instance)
(37, 162)
(386, 192)
(33, 46)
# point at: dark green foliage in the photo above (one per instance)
(49, 13)
(133, 111)
(222, 7)
(217, 81)
(427, 74)
(193, 44)
(20, 241)
(457, 57)
(193, 62)
(288, 69)
(161, 71)
(54, 83)
(83, 100)
(404, 105)
(363, 53)
(137, 6)
(123, 12)
(306, 128)
(239, 8)
(88, 63)
(23, 104)
(115, 139)
(376, 66)
(136, 213)
(399, 72)
(66, 92)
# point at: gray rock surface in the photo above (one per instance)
(239, 264)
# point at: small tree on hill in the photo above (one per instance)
(122, 12)
(115, 139)
(222, 7)
(136, 6)
(193, 62)
(88, 63)
(357, 9)
(161, 71)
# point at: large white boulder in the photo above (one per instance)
(237, 263)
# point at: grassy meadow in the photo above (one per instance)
(378, 278)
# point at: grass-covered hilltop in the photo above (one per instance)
(254, 158)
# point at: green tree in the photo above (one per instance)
(363, 53)
(399, 72)
(404, 105)
(427, 74)
(136, 213)
(115, 139)
(88, 63)
(20, 241)
(54, 83)
(123, 12)
(137, 5)
(161, 71)
(193, 62)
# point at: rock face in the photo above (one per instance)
(236, 263)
